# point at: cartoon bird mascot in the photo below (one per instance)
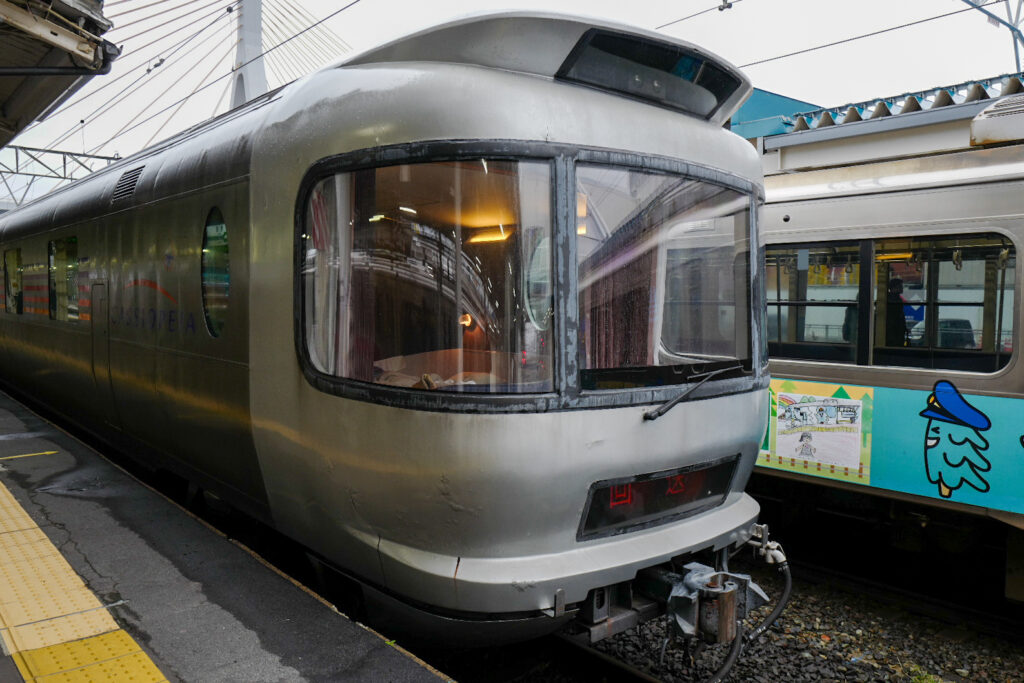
(953, 442)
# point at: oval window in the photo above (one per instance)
(215, 273)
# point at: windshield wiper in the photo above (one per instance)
(658, 412)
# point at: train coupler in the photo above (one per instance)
(704, 602)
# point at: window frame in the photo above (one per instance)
(18, 307)
(566, 393)
(203, 287)
(58, 310)
(866, 347)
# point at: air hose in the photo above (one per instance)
(781, 605)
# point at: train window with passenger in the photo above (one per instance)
(216, 276)
(433, 276)
(944, 302)
(940, 302)
(663, 263)
(62, 286)
(812, 292)
(12, 281)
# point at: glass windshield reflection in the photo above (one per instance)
(663, 267)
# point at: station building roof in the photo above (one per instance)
(48, 50)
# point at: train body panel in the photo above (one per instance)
(149, 362)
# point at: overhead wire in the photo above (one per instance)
(147, 63)
(722, 7)
(124, 92)
(216, 64)
(220, 12)
(220, 78)
(223, 96)
(117, 98)
(869, 35)
(153, 101)
(169, 61)
(139, 8)
(195, 10)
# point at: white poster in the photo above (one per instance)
(819, 429)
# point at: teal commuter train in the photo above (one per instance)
(893, 286)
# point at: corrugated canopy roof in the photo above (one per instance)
(909, 103)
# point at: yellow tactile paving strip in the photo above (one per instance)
(51, 624)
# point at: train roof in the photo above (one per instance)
(929, 138)
(545, 44)
(550, 46)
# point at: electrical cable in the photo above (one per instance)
(216, 64)
(223, 96)
(142, 7)
(217, 80)
(170, 87)
(720, 8)
(219, 12)
(116, 98)
(869, 35)
(195, 10)
(109, 104)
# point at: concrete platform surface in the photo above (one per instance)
(122, 583)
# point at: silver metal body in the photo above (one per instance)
(458, 512)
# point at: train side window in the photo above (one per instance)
(812, 293)
(12, 281)
(433, 276)
(944, 302)
(62, 261)
(215, 273)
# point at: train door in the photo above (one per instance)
(101, 355)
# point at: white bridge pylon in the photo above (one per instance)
(250, 79)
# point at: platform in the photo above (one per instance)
(101, 578)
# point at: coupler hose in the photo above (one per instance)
(732, 657)
(781, 605)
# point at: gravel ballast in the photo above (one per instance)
(826, 634)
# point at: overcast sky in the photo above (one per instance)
(940, 52)
(146, 107)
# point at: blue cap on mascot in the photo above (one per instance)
(945, 403)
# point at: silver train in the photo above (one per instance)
(418, 311)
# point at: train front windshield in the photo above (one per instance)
(439, 276)
(419, 276)
(664, 277)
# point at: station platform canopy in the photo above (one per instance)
(766, 114)
(48, 50)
